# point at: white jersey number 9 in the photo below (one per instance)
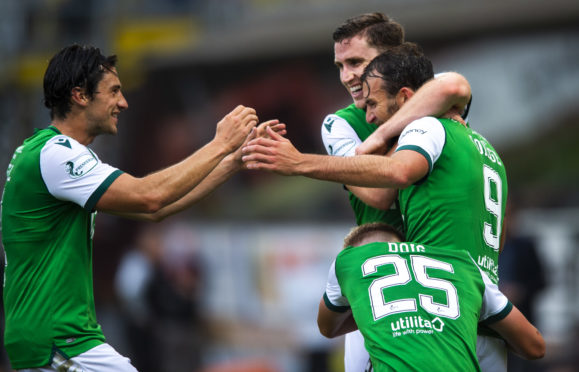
(493, 205)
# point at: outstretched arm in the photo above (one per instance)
(448, 92)
(521, 336)
(221, 173)
(277, 154)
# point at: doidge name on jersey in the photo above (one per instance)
(405, 248)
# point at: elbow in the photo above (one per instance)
(533, 347)
(401, 180)
(326, 326)
(537, 350)
(326, 331)
(156, 217)
(152, 203)
(382, 198)
(456, 86)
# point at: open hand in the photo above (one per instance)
(275, 153)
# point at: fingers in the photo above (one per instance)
(268, 123)
(273, 135)
(255, 158)
(252, 135)
(279, 128)
(261, 145)
(247, 115)
(274, 124)
(240, 109)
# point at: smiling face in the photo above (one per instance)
(104, 107)
(351, 56)
(380, 105)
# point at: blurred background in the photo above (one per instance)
(233, 284)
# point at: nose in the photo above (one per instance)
(123, 104)
(370, 117)
(346, 75)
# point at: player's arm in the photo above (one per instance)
(128, 194)
(221, 173)
(380, 198)
(340, 139)
(334, 313)
(333, 323)
(398, 171)
(521, 336)
(446, 92)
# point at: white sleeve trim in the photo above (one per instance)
(333, 289)
(425, 135)
(494, 301)
(70, 170)
(339, 138)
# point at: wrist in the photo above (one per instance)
(221, 147)
(233, 161)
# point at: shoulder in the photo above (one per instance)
(63, 143)
(426, 128)
(349, 115)
(339, 135)
(426, 136)
(76, 157)
(425, 125)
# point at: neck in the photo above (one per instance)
(73, 127)
(453, 114)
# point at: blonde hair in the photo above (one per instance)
(358, 235)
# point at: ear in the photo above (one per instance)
(403, 95)
(79, 96)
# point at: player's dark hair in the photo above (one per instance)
(401, 66)
(381, 32)
(74, 66)
(359, 233)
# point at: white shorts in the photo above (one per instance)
(102, 358)
(356, 357)
(491, 353)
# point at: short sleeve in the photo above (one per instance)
(339, 138)
(72, 172)
(333, 297)
(425, 136)
(496, 305)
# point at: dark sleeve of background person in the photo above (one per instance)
(521, 273)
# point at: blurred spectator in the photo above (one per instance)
(134, 276)
(158, 284)
(521, 276)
